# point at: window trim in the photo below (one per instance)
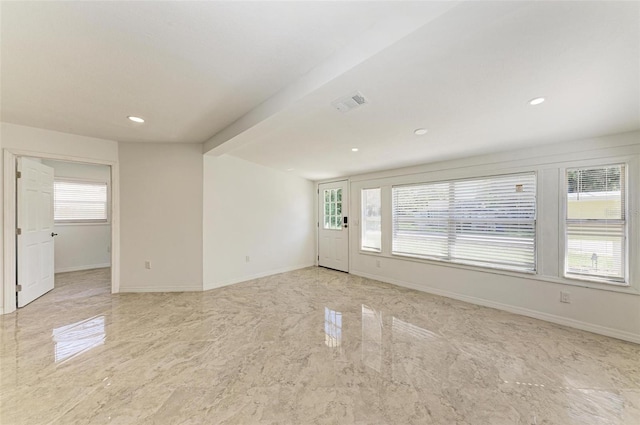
(550, 214)
(85, 222)
(563, 220)
(360, 247)
(474, 265)
(631, 290)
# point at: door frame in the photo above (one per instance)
(9, 229)
(316, 204)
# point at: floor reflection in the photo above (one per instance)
(332, 328)
(415, 358)
(319, 347)
(405, 328)
(371, 338)
(76, 338)
(588, 403)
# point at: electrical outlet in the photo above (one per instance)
(378, 263)
(109, 249)
(147, 265)
(247, 259)
(565, 297)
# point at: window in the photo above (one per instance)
(333, 209)
(371, 239)
(595, 223)
(488, 221)
(79, 201)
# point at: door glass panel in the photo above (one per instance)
(333, 209)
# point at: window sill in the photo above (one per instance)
(462, 265)
(596, 280)
(626, 289)
(522, 275)
(81, 223)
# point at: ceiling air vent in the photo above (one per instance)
(347, 103)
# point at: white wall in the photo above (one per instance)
(161, 216)
(254, 211)
(596, 307)
(81, 246)
(78, 170)
(1, 226)
(34, 140)
(56, 143)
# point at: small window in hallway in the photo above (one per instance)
(80, 201)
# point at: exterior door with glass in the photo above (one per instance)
(333, 225)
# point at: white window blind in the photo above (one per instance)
(487, 221)
(371, 238)
(595, 236)
(79, 201)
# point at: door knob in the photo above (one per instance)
(53, 234)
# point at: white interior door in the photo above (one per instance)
(333, 233)
(35, 236)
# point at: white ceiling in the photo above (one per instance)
(467, 77)
(189, 68)
(256, 80)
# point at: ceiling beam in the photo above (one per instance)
(409, 19)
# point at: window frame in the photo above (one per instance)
(360, 235)
(564, 222)
(549, 170)
(84, 222)
(470, 264)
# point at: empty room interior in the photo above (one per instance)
(342, 212)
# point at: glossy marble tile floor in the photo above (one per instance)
(306, 347)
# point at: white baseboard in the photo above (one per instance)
(208, 286)
(163, 288)
(79, 268)
(560, 320)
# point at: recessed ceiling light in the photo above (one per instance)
(536, 101)
(290, 169)
(420, 131)
(354, 149)
(135, 119)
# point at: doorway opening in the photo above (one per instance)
(63, 213)
(74, 215)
